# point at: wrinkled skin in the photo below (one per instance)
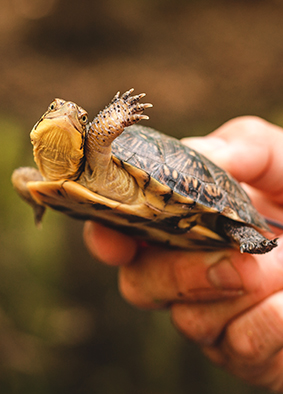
(239, 322)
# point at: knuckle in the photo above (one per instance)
(241, 345)
(189, 320)
(242, 352)
(134, 291)
(257, 335)
(129, 287)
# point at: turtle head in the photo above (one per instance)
(58, 140)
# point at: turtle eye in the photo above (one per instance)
(52, 106)
(83, 119)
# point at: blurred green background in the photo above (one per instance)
(64, 328)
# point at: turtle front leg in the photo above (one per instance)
(20, 179)
(248, 239)
(108, 124)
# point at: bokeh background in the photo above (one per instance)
(64, 328)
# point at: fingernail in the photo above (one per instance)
(224, 276)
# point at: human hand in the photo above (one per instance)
(239, 321)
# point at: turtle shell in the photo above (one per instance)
(186, 172)
(186, 195)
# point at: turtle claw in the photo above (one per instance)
(260, 247)
(127, 94)
(247, 247)
(136, 98)
(140, 108)
(247, 238)
(131, 107)
(145, 117)
(116, 97)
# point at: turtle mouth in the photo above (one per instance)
(76, 125)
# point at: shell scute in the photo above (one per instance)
(189, 186)
(210, 195)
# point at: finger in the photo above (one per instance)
(268, 375)
(257, 334)
(268, 208)
(204, 323)
(252, 345)
(109, 246)
(160, 277)
(250, 149)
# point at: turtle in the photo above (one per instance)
(136, 180)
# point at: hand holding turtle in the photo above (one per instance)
(141, 181)
(242, 329)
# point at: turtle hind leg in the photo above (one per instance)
(248, 239)
(20, 179)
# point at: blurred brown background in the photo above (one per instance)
(63, 326)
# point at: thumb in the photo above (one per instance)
(250, 149)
